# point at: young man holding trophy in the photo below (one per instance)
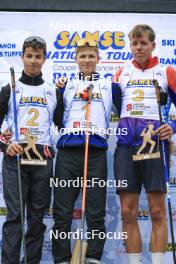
(88, 102)
(141, 157)
(29, 107)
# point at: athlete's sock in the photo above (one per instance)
(158, 258)
(134, 258)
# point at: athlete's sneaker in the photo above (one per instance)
(92, 261)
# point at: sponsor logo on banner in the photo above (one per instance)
(169, 247)
(111, 43)
(114, 118)
(105, 40)
(143, 215)
(3, 211)
(172, 183)
(47, 245)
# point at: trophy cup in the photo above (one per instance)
(31, 140)
(147, 134)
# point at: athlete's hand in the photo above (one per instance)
(165, 132)
(13, 149)
(7, 134)
(61, 82)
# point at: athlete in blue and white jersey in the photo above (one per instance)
(70, 156)
(137, 105)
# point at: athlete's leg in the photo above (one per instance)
(129, 212)
(157, 209)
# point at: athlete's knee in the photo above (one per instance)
(62, 218)
(129, 215)
(13, 216)
(157, 215)
(36, 228)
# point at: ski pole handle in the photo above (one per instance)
(12, 77)
(12, 72)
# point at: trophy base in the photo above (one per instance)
(155, 155)
(33, 162)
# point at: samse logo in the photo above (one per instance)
(105, 40)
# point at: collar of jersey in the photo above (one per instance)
(152, 61)
(34, 81)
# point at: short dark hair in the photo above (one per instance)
(34, 42)
(142, 30)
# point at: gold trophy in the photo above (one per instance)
(147, 134)
(31, 140)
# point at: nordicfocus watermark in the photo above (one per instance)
(62, 80)
(94, 182)
(92, 26)
(81, 130)
(87, 235)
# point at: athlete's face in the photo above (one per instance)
(33, 61)
(142, 49)
(87, 59)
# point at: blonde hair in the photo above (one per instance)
(142, 30)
